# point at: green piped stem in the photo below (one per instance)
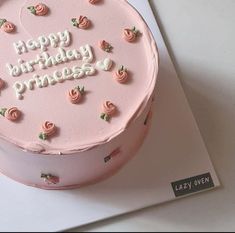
(2, 21)
(43, 136)
(136, 31)
(3, 111)
(32, 10)
(105, 117)
(122, 68)
(74, 22)
(81, 90)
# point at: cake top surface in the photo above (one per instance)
(72, 75)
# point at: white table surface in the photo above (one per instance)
(201, 38)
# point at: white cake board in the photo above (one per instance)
(174, 150)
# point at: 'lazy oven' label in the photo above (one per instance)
(193, 185)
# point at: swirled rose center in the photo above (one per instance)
(8, 27)
(109, 108)
(41, 9)
(83, 22)
(13, 114)
(49, 128)
(75, 96)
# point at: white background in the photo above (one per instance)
(201, 38)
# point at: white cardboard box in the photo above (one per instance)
(174, 150)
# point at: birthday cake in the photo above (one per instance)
(77, 81)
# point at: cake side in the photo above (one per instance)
(56, 172)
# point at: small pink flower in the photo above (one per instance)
(109, 109)
(75, 95)
(40, 9)
(12, 114)
(82, 22)
(6, 26)
(130, 35)
(48, 129)
(121, 75)
(104, 45)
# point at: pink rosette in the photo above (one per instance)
(75, 96)
(41, 9)
(12, 114)
(83, 22)
(104, 45)
(8, 27)
(121, 75)
(49, 128)
(109, 108)
(129, 35)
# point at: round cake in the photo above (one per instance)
(77, 83)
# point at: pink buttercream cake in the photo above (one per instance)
(76, 89)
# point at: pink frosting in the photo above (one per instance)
(80, 126)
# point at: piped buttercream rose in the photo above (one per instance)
(121, 75)
(75, 95)
(82, 22)
(40, 9)
(11, 114)
(104, 45)
(130, 35)
(7, 26)
(48, 129)
(109, 109)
